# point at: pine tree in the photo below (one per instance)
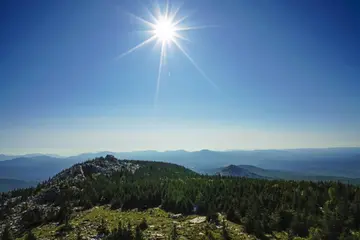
(64, 214)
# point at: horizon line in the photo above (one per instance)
(175, 150)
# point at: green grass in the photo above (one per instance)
(159, 222)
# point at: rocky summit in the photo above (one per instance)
(42, 203)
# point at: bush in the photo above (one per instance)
(30, 236)
(143, 225)
(138, 233)
(103, 229)
(213, 217)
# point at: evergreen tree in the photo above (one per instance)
(64, 213)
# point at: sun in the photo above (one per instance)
(164, 30)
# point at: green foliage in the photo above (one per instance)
(143, 225)
(231, 215)
(315, 234)
(122, 232)
(213, 218)
(208, 233)
(30, 236)
(173, 233)
(103, 229)
(78, 235)
(138, 233)
(225, 233)
(67, 227)
(32, 217)
(64, 213)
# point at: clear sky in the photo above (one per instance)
(287, 74)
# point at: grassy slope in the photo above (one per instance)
(159, 223)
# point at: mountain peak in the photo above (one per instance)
(236, 171)
(102, 165)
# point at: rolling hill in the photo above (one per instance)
(237, 171)
(256, 172)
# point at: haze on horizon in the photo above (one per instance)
(287, 76)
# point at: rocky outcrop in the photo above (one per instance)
(102, 165)
(43, 205)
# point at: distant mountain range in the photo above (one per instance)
(311, 164)
(10, 184)
(4, 157)
(259, 173)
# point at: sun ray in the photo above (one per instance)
(173, 15)
(179, 29)
(177, 22)
(150, 24)
(136, 47)
(167, 9)
(157, 11)
(195, 65)
(151, 15)
(162, 56)
(181, 37)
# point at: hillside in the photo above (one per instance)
(238, 171)
(32, 206)
(256, 172)
(291, 175)
(95, 196)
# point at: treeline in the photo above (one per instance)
(321, 210)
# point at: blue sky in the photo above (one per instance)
(287, 75)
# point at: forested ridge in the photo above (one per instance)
(321, 210)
